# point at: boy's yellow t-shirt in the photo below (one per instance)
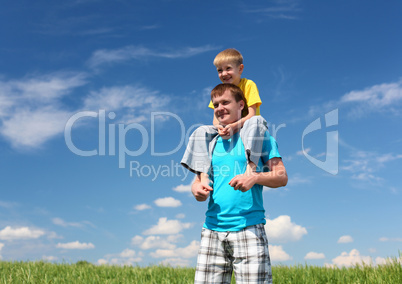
(251, 94)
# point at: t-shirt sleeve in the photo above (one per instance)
(252, 95)
(269, 148)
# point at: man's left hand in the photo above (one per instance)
(243, 182)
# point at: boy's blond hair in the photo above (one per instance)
(229, 55)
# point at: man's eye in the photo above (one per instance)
(215, 105)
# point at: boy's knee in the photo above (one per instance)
(256, 122)
(258, 119)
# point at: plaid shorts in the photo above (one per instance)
(245, 252)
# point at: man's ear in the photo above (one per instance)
(241, 105)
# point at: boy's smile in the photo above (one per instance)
(230, 73)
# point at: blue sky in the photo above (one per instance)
(97, 99)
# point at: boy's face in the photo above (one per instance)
(226, 109)
(230, 72)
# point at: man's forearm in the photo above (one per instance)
(271, 179)
(277, 177)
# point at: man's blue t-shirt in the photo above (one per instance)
(229, 209)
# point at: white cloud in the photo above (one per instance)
(187, 252)
(380, 261)
(75, 245)
(141, 207)
(104, 56)
(167, 227)
(282, 230)
(384, 261)
(278, 254)
(376, 97)
(137, 240)
(127, 253)
(134, 103)
(351, 259)
(345, 239)
(365, 165)
(385, 239)
(8, 205)
(303, 152)
(285, 10)
(174, 262)
(180, 216)
(385, 98)
(31, 128)
(183, 188)
(297, 179)
(126, 257)
(314, 255)
(61, 222)
(30, 109)
(102, 261)
(21, 233)
(153, 242)
(167, 202)
(42, 89)
(49, 258)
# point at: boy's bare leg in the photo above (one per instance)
(251, 168)
(204, 178)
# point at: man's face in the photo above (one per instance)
(226, 109)
(230, 73)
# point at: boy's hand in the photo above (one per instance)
(224, 131)
(227, 131)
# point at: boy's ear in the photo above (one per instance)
(241, 67)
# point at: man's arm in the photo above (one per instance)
(200, 190)
(276, 177)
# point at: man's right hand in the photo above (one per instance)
(200, 190)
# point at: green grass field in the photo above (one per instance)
(83, 272)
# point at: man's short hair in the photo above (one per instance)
(229, 55)
(236, 92)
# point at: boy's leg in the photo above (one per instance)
(213, 264)
(205, 179)
(251, 168)
(197, 157)
(252, 135)
(251, 263)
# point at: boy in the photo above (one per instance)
(197, 158)
(229, 64)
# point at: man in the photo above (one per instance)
(233, 236)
